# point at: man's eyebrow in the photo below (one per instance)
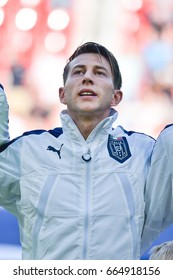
(101, 67)
(79, 66)
(84, 66)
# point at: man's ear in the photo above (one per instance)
(62, 95)
(117, 97)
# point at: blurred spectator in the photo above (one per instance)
(158, 58)
(17, 74)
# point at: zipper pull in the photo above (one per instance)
(87, 155)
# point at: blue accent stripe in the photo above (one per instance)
(55, 132)
(168, 125)
(132, 132)
(131, 204)
(41, 209)
(1, 86)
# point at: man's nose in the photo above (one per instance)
(88, 77)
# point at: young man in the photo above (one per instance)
(159, 188)
(78, 192)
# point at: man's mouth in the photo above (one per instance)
(87, 93)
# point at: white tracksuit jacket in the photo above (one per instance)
(4, 131)
(77, 199)
(159, 188)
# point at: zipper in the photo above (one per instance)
(87, 156)
(87, 204)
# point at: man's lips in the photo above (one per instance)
(87, 92)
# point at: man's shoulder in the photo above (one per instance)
(135, 134)
(165, 139)
(168, 130)
(56, 132)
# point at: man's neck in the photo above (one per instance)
(86, 127)
(86, 124)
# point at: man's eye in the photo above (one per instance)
(78, 72)
(100, 73)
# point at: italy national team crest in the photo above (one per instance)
(118, 148)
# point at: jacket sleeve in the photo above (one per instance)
(10, 175)
(159, 189)
(4, 129)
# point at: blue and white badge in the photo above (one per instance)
(118, 148)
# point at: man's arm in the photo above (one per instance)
(159, 188)
(4, 108)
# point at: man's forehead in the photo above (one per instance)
(93, 59)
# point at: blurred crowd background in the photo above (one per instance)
(38, 36)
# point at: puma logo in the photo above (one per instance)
(50, 148)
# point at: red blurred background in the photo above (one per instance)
(37, 36)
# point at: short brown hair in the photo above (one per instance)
(91, 47)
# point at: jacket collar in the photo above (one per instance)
(103, 127)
